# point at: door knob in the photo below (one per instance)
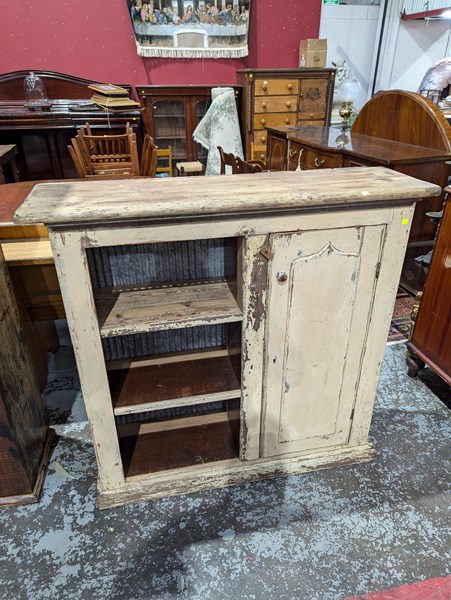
(281, 276)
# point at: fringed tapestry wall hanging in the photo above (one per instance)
(190, 28)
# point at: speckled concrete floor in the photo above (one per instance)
(317, 536)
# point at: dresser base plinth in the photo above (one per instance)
(233, 472)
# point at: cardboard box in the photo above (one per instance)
(313, 53)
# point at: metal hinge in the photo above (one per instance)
(265, 250)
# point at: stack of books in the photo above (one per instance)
(111, 97)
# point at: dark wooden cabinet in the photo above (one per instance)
(430, 343)
(25, 438)
(283, 97)
(42, 136)
(172, 113)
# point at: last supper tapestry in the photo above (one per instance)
(190, 28)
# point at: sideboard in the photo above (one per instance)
(397, 129)
(430, 342)
(42, 136)
(265, 305)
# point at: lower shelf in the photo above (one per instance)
(150, 448)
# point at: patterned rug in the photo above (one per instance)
(400, 323)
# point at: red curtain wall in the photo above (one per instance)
(94, 39)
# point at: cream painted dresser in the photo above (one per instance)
(292, 275)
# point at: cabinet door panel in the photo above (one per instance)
(313, 369)
(277, 154)
(313, 98)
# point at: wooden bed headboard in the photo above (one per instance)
(404, 116)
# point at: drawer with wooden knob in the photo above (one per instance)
(274, 120)
(275, 104)
(260, 137)
(276, 87)
(313, 159)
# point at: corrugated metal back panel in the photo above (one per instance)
(149, 263)
(163, 342)
(169, 413)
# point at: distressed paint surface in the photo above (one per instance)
(102, 201)
(318, 536)
(137, 310)
(316, 334)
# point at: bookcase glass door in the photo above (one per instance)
(169, 117)
(200, 109)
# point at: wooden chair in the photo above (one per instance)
(104, 155)
(149, 157)
(165, 155)
(237, 164)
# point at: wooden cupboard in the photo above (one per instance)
(241, 382)
(430, 343)
(25, 438)
(172, 113)
(282, 97)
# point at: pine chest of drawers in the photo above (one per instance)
(275, 98)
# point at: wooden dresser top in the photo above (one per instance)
(81, 202)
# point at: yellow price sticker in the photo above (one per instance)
(404, 221)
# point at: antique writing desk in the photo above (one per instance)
(299, 297)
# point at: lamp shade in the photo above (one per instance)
(349, 88)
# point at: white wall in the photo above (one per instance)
(415, 46)
(408, 48)
(351, 34)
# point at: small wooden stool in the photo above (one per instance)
(190, 168)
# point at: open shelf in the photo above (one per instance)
(137, 309)
(154, 447)
(174, 384)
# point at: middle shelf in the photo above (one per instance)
(135, 309)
